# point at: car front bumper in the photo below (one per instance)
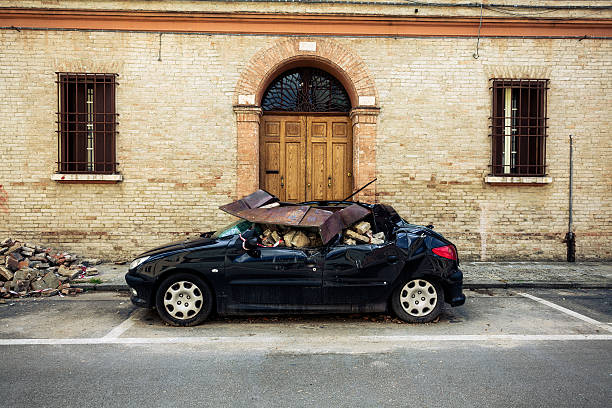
(141, 290)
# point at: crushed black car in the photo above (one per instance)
(313, 257)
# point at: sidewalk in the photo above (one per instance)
(477, 275)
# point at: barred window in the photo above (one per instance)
(87, 123)
(518, 127)
(306, 90)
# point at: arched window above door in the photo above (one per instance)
(306, 90)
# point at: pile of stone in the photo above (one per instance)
(290, 237)
(361, 233)
(33, 270)
(277, 235)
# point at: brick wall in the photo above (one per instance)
(177, 142)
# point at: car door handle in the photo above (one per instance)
(392, 259)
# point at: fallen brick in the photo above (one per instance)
(362, 227)
(357, 237)
(51, 280)
(5, 274)
(7, 242)
(25, 274)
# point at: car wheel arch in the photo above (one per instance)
(409, 274)
(175, 271)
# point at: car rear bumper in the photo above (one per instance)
(454, 289)
(141, 290)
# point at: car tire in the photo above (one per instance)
(418, 300)
(184, 300)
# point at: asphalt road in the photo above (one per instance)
(502, 348)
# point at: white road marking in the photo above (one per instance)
(280, 342)
(568, 312)
(123, 327)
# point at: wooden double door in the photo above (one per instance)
(304, 158)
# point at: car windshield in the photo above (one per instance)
(236, 227)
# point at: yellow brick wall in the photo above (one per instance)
(177, 140)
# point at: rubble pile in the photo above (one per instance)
(32, 270)
(278, 235)
(289, 237)
(361, 233)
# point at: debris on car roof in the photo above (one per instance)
(329, 223)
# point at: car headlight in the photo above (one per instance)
(138, 261)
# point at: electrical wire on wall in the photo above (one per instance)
(476, 55)
(160, 43)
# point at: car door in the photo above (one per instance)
(359, 274)
(272, 276)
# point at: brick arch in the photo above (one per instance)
(330, 56)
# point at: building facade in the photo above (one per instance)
(126, 124)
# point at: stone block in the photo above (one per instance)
(362, 227)
(12, 263)
(26, 274)
(357, 237)
(5, 274)
(300, 240)
(51, 280)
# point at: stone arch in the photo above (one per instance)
(323, 53)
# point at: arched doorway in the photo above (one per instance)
(305, 143)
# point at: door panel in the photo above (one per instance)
(306, 157)
(293, 172)
(272, 276)
(330, 163)
(271, 182)
(359, 274)
(283, 157)
(339, 170)
(318, 171)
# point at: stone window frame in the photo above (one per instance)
(90, 128)
(503, 170)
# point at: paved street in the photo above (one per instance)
(536, 348)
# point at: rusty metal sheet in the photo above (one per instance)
(328, 223)
(255, 200)
(352, 214)
(289, 215)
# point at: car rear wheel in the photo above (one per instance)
(418, 300)
(184, 300)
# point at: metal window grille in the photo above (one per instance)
(518, 127)
(306, 90)
(86, 123)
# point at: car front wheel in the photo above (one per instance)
(184, 300)
(418, 300)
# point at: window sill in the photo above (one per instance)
(71, 178)
(538, 180)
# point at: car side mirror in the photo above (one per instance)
(251, 243)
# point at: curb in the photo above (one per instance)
(108, 287)
(103, 287)
(536, 285)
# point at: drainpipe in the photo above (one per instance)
(570, 237)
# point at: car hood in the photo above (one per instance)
(178, 246)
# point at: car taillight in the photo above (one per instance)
(447, 251)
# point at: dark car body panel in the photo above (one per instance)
(331, 278)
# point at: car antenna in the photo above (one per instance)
(375, 178)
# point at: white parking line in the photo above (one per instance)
(123, 327)
(568, 312)
(322, 343)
